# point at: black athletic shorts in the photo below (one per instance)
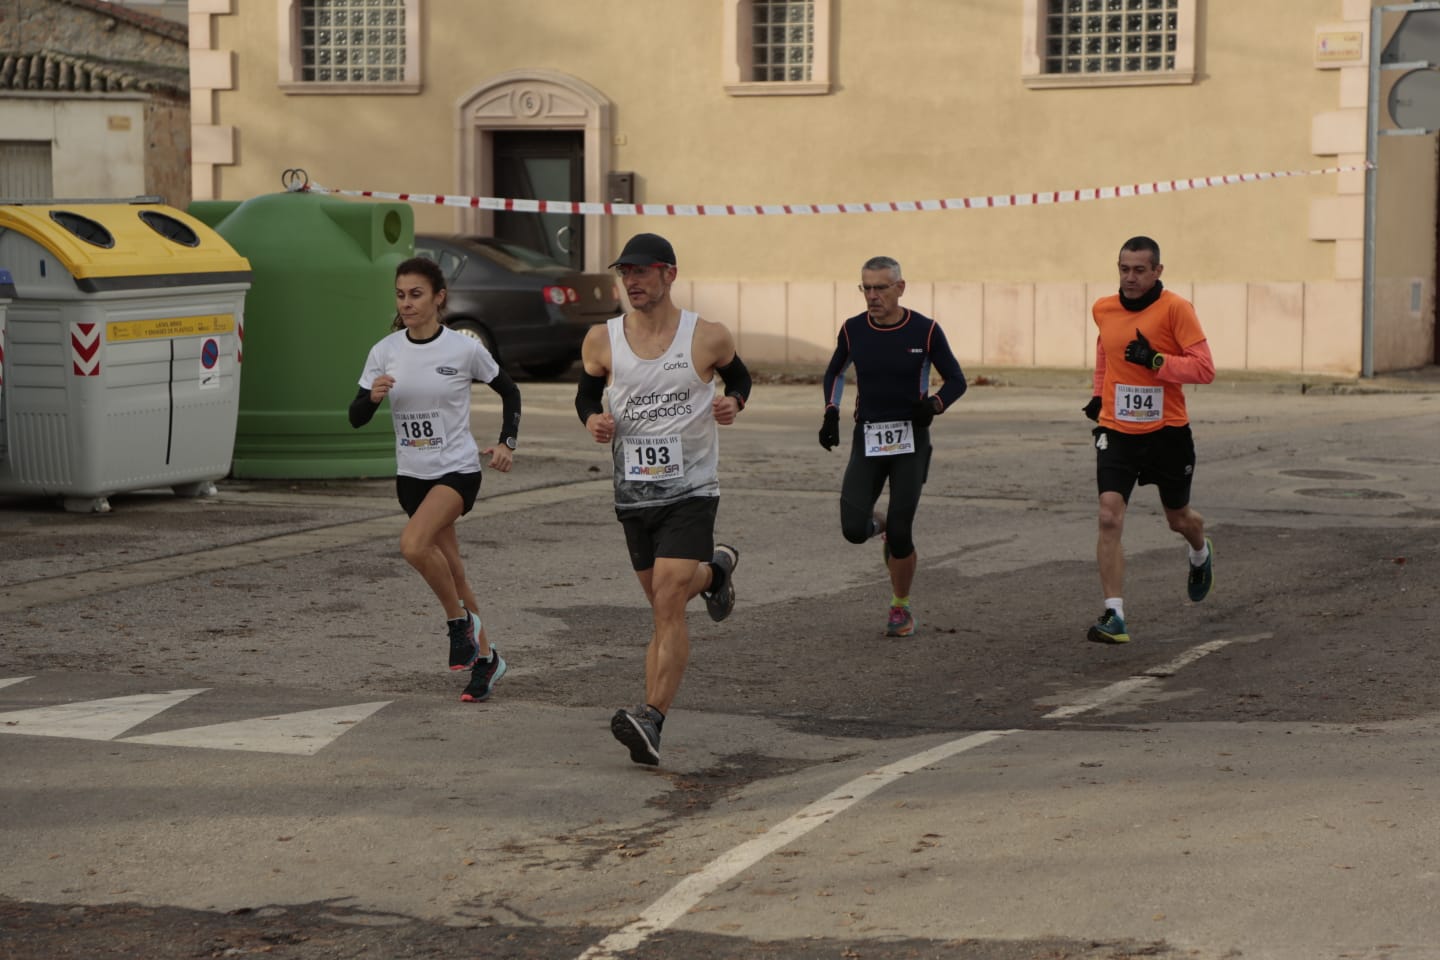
(411, 491)
(684, 530)
(1164, 457)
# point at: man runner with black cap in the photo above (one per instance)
(660, 362)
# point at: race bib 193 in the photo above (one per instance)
(889, 438)
(1139, 404)
(649, 459)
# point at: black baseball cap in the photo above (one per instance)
(644, 249)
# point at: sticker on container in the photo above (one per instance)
(210, 364)
(85, 349)
(164, 329)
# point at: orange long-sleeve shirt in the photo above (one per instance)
(1135, 399)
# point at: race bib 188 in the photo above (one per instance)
(420, 431)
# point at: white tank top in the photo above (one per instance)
(666, 445)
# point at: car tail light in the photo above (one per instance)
(561, 295)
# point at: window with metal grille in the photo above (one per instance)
(1111, 36)
(352, 41)
(782, 40)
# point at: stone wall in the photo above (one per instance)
(34, 25)
(167, 154)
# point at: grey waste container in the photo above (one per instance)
(7, 293)
(122, 351)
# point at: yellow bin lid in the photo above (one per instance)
(128, 246)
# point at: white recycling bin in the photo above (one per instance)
(122, 349)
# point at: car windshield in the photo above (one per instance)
(513, 256)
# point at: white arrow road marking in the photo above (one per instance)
(8, 681)
(92, 719)
(305, 733)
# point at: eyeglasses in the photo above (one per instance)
(868, 288)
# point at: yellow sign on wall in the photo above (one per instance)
(120, 331)
(1339, 47)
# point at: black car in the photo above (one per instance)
(530, 311)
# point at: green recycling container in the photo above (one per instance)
(323, 291)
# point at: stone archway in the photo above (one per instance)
(534, 100)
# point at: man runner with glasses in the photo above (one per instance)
(893, 350)
(661, 362)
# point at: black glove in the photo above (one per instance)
(923, 412)
(830, 429)
(1092, 409)
(1139, 351)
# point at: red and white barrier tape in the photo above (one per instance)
(588, 208)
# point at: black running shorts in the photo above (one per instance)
(684, 530)
(411, 491)
(1164, 457)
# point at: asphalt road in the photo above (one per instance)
(226, 727)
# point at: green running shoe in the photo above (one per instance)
(1110, 628)
(1202, 578)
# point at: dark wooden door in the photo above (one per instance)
(542, 165)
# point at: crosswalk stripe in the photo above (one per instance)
(304, 733)
(92, 719)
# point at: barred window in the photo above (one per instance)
(783, 37)
(1100, 42)
(1111, 36)
(333, 46)
(776, 48)
(352, 41)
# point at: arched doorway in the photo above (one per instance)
(540, 134)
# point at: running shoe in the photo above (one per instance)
(638, 729)
(1202, 578)
(1110, 628)
(901, 622)
(720, 602)
(464, 648)
(483, 676)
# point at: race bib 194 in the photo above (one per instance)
(1139, 404)
(889, 438)
(649, 459)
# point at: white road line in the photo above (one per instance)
(1130, 684)
(684, 896)
(7, 681)
(690, 891)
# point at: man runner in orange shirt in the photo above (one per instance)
(1150, 344)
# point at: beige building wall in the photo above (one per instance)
(925, 102)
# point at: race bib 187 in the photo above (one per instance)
(889, 438)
